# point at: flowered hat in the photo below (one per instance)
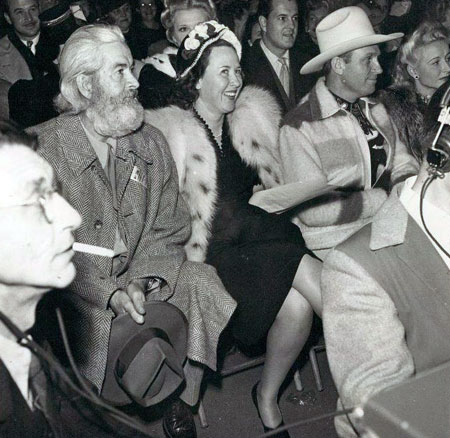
(198, 39)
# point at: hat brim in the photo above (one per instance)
(159, 314)
(317, 62)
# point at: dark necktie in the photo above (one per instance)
(30, 45)
(375, 140)
(111, 171)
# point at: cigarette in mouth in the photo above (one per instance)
(92, 249)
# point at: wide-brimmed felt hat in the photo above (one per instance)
(342, 31)
(145, 362)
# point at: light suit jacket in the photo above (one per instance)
(386, 297)
(155, 223)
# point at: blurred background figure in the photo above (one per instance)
(47, 4)
(252, 33)
(157, 76)
(376, 10)
(439, 10)
(87, 8)
(315, 11)
(422, 66)
(120, 13)
(148, 24)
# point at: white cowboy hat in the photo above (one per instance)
(342, 31)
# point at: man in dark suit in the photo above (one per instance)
(122, 179)
(25, 53)
(272, 63)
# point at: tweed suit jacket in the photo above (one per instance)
(155, 224)
(386, 297)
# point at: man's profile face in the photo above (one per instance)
(115, 110)
(122, 17)
(23, 15)
(360, 75)
(36, 223)
(281, 26)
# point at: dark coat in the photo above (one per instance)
(62, 414)
(258, 71)
(156, 224)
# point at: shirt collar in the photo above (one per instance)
(17, 360)
(35, 40)
(273, 59)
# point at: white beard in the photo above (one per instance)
(115, 116)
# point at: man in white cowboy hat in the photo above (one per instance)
(337, 128)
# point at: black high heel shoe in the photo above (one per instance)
(284, 433)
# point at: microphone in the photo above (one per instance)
(437, 155)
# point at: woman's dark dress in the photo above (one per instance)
(256, 254)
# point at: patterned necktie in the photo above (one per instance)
(30, 46)
(111, 172)
(284, 74)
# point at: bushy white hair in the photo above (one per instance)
(82, 54)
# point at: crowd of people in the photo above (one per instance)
(127, 202)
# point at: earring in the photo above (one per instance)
(416, 76)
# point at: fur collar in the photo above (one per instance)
(254, 126)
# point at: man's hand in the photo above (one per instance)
(131, 301)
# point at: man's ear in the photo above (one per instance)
(7, 18)
(84, 84)
(412, 71)
(338, 65)
(263, 23)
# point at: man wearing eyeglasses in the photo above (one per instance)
(122, 179)
(36, 230)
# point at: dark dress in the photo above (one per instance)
(256, 254)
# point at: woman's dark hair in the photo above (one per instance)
(185, 92)
(10, 134)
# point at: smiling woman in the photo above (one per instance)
(422, 66)
(225, 141)
(157, 77)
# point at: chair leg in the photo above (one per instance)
(315, 365)
(298, 381)
(202, 415)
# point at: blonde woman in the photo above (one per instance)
(421, 67)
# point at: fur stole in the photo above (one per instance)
(405, 112)
(254, 126)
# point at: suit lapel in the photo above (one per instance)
(276, 87)
(425, 263)
(6, 402)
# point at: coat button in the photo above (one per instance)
(98, 224)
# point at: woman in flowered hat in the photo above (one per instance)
(157, 77)
(224, 142)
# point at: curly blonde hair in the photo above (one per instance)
(427, 32)
(172, 6)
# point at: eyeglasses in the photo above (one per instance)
(42, 202)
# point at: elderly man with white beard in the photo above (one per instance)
(120, 176)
